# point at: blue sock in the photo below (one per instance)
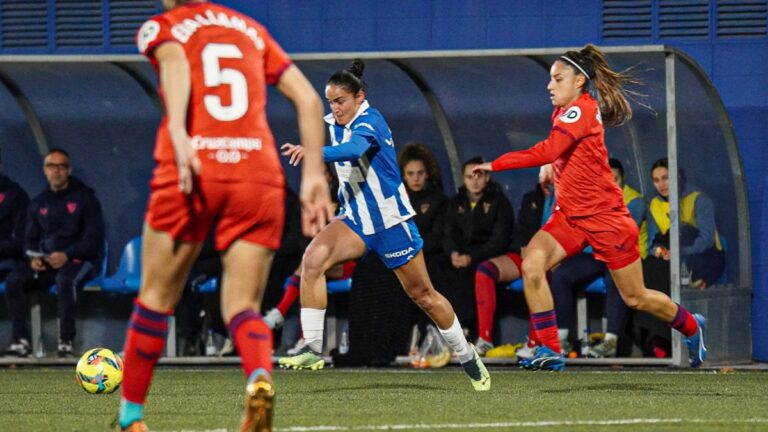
(257, 373)
(129, 413)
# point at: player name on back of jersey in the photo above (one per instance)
(227, 149)
(186, 28)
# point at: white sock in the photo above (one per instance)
(454, 336)
(562, 334)
(312, 325)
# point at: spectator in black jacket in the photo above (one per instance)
(421, 175)
(478, 225)
(13, 213)
(64, 241)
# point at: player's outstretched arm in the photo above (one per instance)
(175, 82)
(317, 208)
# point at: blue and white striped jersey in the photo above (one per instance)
(371, 192)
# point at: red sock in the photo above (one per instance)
(290, 295)
(253, 340)
(684, 322)
(144, 344)
(531, 333)
(486, 276)
(545, 326)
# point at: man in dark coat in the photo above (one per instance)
(64, 244)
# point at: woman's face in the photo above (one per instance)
(343, 103)
(415, 174)
(564, 84)
(475, 182)
(660, 176)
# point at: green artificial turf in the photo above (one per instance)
(36, 399)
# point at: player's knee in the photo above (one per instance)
(314, 262)
(636, 301)
(421, 295)
(533, 271)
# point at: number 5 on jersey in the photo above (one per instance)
(214, 76)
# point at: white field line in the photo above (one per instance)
(475, 426)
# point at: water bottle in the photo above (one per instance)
(210, 347)
(344, 344)
(414, 345)
(685, 275)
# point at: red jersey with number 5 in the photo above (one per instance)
(231, 58)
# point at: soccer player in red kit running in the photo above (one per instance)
(217, 162)
(590, 209)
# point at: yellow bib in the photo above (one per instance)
(660, 213)
(642, 237)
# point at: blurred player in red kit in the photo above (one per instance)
(217, 165)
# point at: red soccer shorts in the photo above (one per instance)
(252, 212)
(612, 235)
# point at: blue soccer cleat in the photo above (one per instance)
(697, 351)
(544, 359)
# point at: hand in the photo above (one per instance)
(482, 168)
(662, 253)
(57, 259)
(546, 178)
(295, 151)
(37, 264)
(464, 261)
(317, 209)
(460, 260)
(187, 162)
(454, 258)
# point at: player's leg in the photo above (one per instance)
(336, 243)
(501, 269)
(629, 281)
(291, 292)
(275, 317)
(245, 270)
(165, 265)
(542, 253)
(415, 280)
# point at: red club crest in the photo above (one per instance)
(71, 207)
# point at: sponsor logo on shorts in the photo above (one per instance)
(399, 254)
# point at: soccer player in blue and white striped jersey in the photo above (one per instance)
(375, 215)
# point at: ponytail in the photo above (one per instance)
(350, 78)
(611, 95)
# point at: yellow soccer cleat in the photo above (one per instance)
(259, 404)
(478, 374)
(305, 360)
(138, 426)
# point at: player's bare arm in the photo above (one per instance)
(175, 82)
(317, 208)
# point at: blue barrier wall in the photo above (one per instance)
(728, 39)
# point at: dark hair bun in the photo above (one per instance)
(357, 67)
